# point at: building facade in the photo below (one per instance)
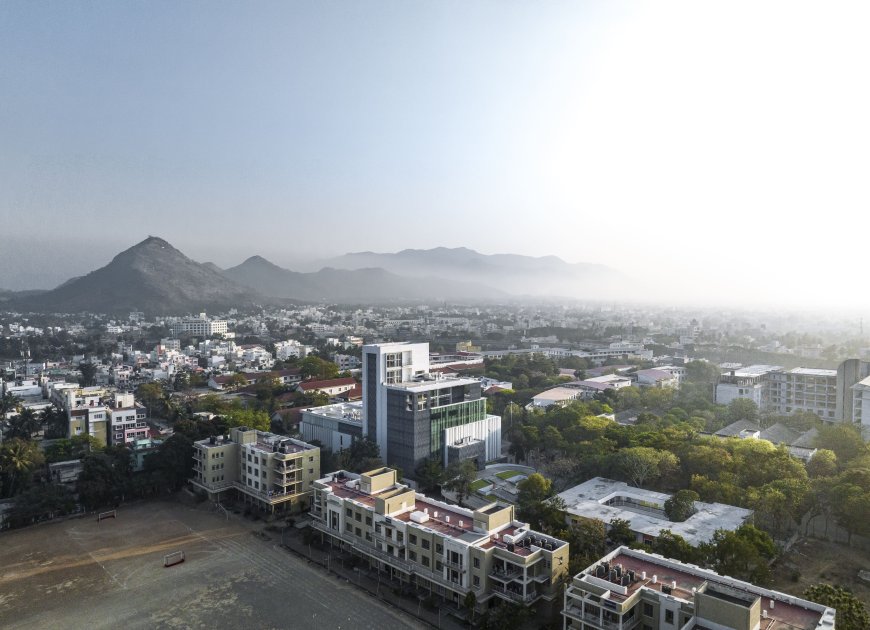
(414, 414)
(443, 548)
(200, 326)
(633, 589)
(272, 472)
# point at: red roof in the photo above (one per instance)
(352, 394)
(307, 386)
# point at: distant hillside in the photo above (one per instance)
(153, 277)
(358, 285)
(516, 274)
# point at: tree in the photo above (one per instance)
(88, 376)
(8, 402)
(23, 425)
(681, 505)
(823, 464)
(742, 409)
(40, 502)
(470, 603)
(587, 540)
(743, 554)
(250, 418)
(429, 475)
(151, 394)
(237, 381)
(362, 455)
(55, 423)
(851, 613)
(314, 367)
(619, 532)
(672, 545)
(18, 459)
(537, 505)
(459, 477)
(844, 439)
(641, 464)
(171, 464)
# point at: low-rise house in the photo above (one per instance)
(607, 499)
(331, 387)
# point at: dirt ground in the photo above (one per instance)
(819, 561)
(85, 574)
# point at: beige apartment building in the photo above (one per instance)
(272, 472)
(445, 549)
(630, 589)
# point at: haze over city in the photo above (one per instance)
(715, 153)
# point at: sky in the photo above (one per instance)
(713, 150)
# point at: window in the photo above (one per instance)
(412, 556)
(368, 536)
(477, 563)
(348, 512)
(358, 532)
(412, 538)
(348, 527)
(368, 520)
(310, 471)
(358, 517)
(400, 536)
(669, 616)
(425, 561)
(647, 610)
(311, 459)
(425, 543)
(439, 548)
(476, 580)
(438, 565)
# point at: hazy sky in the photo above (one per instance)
(720, 146)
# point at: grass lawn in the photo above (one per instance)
(477, 485)
(507, 474)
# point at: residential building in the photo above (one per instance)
(414, 414)
(606, 499)
(331, 387)
(446, 549)
(630, 588)
(272, 472)
(803, 389)
(290, 376)
(291, 349)
(849, 373)
(126, 420)
(200, 326)
(799, 444)
(746, 382)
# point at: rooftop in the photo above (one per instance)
(434, 381)
(670, 577)
(814, 372)
(350, 412)
(606, 499)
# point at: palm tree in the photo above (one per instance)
(18, 458)
(8, 402)
(24, 425)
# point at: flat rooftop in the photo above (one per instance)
(756, 370)
(426, 384)
(788, 613)
(350, 412)
(814, 372)
(607, 499)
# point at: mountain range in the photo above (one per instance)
(154, 277)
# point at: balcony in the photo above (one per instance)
(506, 575)
(281, 481)
(514, 596)
(282, 469)
(454, 565)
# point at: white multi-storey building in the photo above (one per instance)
(200, 326)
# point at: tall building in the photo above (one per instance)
(445, 549)
(272, 472)
(803, 389)
(414, 414)
(629, 588)
(849, 397)
(126, 420)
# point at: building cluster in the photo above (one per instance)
(841, 395)
(410, 411)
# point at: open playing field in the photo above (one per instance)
(85, 574)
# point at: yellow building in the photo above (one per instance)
(273, 472)
(630, 589)
(445, 549)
